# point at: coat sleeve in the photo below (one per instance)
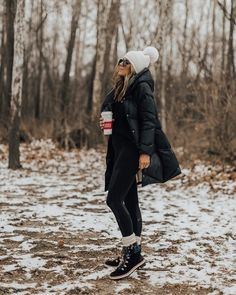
(148, 119)
(106, 105)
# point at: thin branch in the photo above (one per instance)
(226, 13)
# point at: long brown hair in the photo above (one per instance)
(121, 83)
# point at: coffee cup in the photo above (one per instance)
(107, 119)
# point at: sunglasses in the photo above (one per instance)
(124, 62)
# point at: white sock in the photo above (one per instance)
(138, 240)
(129, 240)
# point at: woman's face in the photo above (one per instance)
(124, 67)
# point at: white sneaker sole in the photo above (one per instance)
(130, 272)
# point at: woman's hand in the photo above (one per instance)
(101, 122)
(144, 161)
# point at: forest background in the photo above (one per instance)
(56, 67)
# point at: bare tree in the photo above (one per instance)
(111, 34)
(2, 61)
(102, 16)
(17, 78)
(165, 8)
(10, 16)
(184, 63)
(64, 96)
(230, 66)
(213, 39)
(230, 61)
(223, 43)
(39, 40)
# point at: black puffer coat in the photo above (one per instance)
(141, 113)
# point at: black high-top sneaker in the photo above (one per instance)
(132, 260)
(115, 262)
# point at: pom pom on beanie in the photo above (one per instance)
(152, 52)
(142, 59)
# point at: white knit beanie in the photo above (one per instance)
(142, 59)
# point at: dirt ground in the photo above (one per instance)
(56, 230)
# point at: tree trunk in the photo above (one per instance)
(230, 62)
(223, 44)
(165, 13)
(184, 54)
(40, 69)
(100, 57)
(64, 97)
(2, 67)
(213, 68)
(10, 16)
(112, 24)
(17, 79)
(28, 53)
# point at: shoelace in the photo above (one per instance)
(123, 264)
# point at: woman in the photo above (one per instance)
(130, 148)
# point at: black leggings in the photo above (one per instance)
(122, 195)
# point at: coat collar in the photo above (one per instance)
(143, 76)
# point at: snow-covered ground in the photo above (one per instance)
(56, 230)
